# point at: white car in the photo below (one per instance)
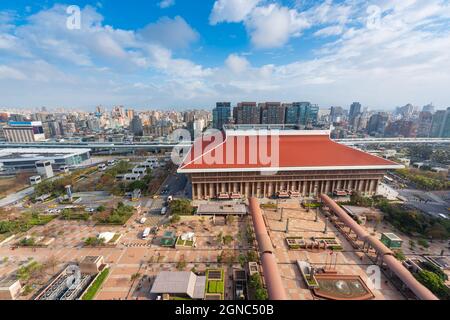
(89, 210)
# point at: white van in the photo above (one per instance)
(146, 233)
(64, 169)
(35, 180)
(163, 211)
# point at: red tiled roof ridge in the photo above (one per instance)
(295, 152)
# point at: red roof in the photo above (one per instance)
(294, 152)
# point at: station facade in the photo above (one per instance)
(267, 163)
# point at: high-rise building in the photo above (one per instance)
(428, 108)
(25, 131)
(355, 110)
(445, 130)
(272, 113)
(221, 115)
(424, 124)
(377, 123)
(336, 114)
(130, 113)
(437, 123)
(406, 111)
(360, 122)
(247, 113)
(136, 126)
(401, 128)
(17, 117)
(302, 113)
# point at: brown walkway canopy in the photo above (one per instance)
(272, 275)
(393, 264)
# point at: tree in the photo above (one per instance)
(256, 284)
(437, 231)
(261, 294)
(181, 207)
(94, 241)
(227, 239)
(230, 219)
(175, 219)
(219, 238)
(420, 152)
(252, 256)
(433, 282)
(135, 276)
(400, 255)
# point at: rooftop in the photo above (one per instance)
(180, 282)
(28, 154)
(221, 209)
(277, 150)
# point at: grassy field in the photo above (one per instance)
(13, 184)
(93, 289)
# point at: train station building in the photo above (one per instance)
(266, 163)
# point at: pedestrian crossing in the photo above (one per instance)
(136, 245)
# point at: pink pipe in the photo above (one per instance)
(272, 276)
(394, 265)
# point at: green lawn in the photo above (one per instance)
(215, 286)
(93, 289)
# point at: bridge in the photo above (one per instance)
(118, 146)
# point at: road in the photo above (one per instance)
(15, 197)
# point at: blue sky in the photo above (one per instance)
(173, 54)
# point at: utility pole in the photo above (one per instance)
(281, 214)
(325, 229)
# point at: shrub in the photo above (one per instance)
(175, 219)
(433, 282)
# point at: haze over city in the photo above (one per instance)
(180, 54)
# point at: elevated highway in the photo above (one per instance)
(98, 146)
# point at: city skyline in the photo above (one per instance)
(173, 55)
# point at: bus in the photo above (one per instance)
(64, 169)
(35, 180)
(146, 233)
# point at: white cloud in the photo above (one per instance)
(272, 26)
(96, 45)
(329, 31)
(231, 10)
(269, 25)
(236, 63)
(166, 3)
(10, 73)
(405, 58)
(172, 33)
